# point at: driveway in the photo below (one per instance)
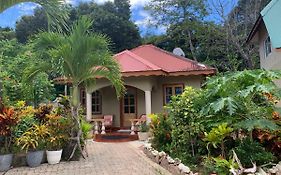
(104, 159)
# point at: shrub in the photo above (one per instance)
(183, 111)
(249, 150)
(161, 130)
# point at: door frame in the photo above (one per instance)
(135, 90)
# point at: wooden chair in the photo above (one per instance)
(141, 120)
(108, 121)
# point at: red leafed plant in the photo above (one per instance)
(271, 140)
(8, 119)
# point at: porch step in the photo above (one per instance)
(115, 137)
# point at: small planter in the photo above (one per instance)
(35, 158)
(5, 162)
(143, 136)
(54, 157)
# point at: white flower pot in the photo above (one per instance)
(54, 157)
(143, 136)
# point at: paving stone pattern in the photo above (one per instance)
(104, 159)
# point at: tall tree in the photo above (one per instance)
(113, 20)
(28, 26)
(6, 34)
(183, 13)
(237, 25)
(81, 56)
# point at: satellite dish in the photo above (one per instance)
(178, 51)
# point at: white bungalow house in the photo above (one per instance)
(151, 76)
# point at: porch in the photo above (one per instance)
(102, 101)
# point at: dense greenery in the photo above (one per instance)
(231, 112)
(111, 19)
(15, 58)
(219, 41)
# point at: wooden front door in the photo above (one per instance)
(129, 107)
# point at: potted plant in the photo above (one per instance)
(7, 121)
(54, 151)
(33, 141)
(143, 133)
(57, 137)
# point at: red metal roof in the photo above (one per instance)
(151, 60)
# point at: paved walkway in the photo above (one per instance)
(104, 159)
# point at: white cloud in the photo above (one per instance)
(146, 23)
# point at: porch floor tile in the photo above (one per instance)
(124, 158)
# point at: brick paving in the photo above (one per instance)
(104, 159)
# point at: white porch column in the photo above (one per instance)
(89, 106)
(148, 105)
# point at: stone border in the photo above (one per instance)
(174, 166)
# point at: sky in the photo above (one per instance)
(140, 17)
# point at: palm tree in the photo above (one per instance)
(56, 14)
(82, 57)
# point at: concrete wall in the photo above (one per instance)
(273, 60)
(111, 105)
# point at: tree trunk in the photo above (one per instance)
(191, 46)
(77, 135)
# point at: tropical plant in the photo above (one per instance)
(186, 126)
(92, 53)
(34, 138)
(217, 136)
(244, 98)
(54, 9)
(249, 151)
(86, 128)
(144, 127)
(8, 119)
(161, 129)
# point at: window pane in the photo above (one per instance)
(169, 90)
(126, 109)
(126, 101)
(267, 45)
(168, 99)
(132, 109)
(132, 101)
(178, 90)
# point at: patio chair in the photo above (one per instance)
(108, 121)
(141, 120)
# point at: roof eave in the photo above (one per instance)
(254, 29)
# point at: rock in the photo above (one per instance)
(170, 160)
(184, 168)
(162, 154)
(174, 169)
(164, 163)
(261, 172)
(272, 170)
(155, 153)
(177, 161)
(278, 167)
(147, 146)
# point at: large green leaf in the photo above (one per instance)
(251, 124)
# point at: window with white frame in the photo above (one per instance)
(267, 47)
